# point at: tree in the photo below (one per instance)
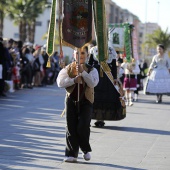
(37, 7)
(3, 7)
(158, 37)
(1, 22)
(24, 14)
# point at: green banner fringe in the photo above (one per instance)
(101, 30)
(127, 40)
(51, 31)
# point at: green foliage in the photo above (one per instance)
(158, 37)
(23, 12)
(26, 9)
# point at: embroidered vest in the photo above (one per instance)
(71, 71)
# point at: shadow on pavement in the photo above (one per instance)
(111, 165)
(152, 102)
(28, 137)
(138, 130)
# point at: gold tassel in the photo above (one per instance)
(48, 63)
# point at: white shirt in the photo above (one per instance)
(120, 71)
(91, 79)
(136, 69)
(30, 57)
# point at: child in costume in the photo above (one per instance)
(130, 81)
(78, 113)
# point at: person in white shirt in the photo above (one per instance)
(130, 81)
(78, 113)
(159, 74)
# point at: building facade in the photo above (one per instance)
(144, 30)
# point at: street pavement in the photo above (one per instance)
(32, 134)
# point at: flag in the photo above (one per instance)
(128, 42)
(134, 44)
(77, 23)
(51, 31)
(116, 36)
(101, 29)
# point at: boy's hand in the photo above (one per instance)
(78, 79)
(79, 68)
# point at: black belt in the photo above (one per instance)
(129, 76)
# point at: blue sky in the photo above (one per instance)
(158, 11)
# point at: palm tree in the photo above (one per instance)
(1, 22)
(36, 8)
(3, 7)
(24, 14)
(158, 37)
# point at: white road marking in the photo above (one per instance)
(58, 110)
(12, 105)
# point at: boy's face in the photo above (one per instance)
(160, 50)
(9, 44)
(118, 64)
(83, 56)
(14, 45)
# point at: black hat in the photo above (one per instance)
(10, 40)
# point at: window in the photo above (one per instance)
(38, 23)
(16, 35)
(140, 34)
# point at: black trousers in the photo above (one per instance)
(77, 127)
(2, 85)
(2, 81)
(26, 76)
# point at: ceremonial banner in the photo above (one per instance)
(134, 43)
(116, 36)
(77, 23)
(101, 29)
(121, 37)
(127, 40)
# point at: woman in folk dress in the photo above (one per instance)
(159, 74)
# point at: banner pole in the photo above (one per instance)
(78, 86)
(78, 60)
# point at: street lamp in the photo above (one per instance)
(146, 3)
(158, 13)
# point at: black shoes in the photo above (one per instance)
(3, 94)
(30, 87)
(99, 123)
(159, 99)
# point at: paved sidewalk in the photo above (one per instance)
(32, 135)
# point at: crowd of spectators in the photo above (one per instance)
(25, 65)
